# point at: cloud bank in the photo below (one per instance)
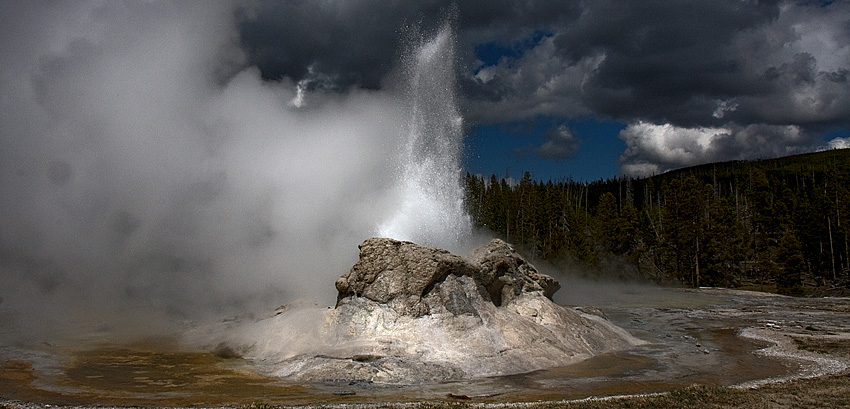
(751, 68)
(690, 65)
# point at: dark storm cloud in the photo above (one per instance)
(663, 60)
(691, 65)
(684, 63)
(346, 44)
(356, 43)
(678, 62)
(688, 64)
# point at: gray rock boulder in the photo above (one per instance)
(402, 275)
(399, 274)
(506, 274)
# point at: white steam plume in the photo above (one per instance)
(146, 173)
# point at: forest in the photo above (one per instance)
(781, 223)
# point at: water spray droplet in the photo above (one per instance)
(431, 210)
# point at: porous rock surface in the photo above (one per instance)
(409, 314)
(404, 275)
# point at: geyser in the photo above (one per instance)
(409, 314)
(430, 208)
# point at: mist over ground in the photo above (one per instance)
(149, 175)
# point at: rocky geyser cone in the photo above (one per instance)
(403, 275)
(408, 314)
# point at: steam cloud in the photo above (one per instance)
(147, 171)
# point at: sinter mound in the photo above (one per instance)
(407, 313)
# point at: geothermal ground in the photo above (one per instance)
(710, 337)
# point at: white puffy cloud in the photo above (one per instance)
(838, 143)
(652, 148)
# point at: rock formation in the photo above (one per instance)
(409, 278)
(406, 313)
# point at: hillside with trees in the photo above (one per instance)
(778, 222)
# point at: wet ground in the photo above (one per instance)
(709, 337)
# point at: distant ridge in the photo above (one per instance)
(834, 159)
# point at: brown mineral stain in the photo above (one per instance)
(16, 371)
(124, 376)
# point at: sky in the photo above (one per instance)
(590, 90)
(187, 158)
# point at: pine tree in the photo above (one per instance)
(790, 260)
(607, 222)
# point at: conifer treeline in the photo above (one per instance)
(782, 221)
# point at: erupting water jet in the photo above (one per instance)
(431, 198)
